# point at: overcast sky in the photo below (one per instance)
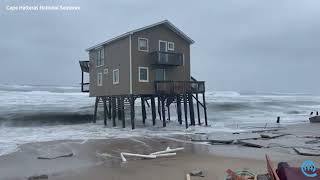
(240, 45)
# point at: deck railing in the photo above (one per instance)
(84, 65)
(85, 87)
(166, 58)
(179, 87)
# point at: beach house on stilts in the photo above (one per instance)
(151, 63)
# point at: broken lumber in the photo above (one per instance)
(55, 157)
(307, 152)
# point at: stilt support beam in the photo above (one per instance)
(153, 109)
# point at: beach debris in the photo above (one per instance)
(249, 143)
(38, 177)
(168, 150)
(239, 175)
(196, 173)
(316, 141)
(165, 153)
(271, 135)
(56, 157)
(136, 155)
(278, 119)
(188, 176)
(225, 138)
(307, 152)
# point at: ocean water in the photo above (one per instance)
(44, 113)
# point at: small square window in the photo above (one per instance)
(171, 46)
(105, 71)
(143, 44)
(99, 79)
(115, 74)
(143, 74)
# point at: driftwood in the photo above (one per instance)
(136, 155)
(55, 157)
(271, 135)
(307, 152)
(196, 173)
(165, 153)
(38, 177)
(250, 144)
(168, 150)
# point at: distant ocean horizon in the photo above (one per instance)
(36, 113)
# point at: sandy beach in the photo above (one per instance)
(100, 159)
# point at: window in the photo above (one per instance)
(99, 79)
(143, 74)
(100, 57)
(171, 46)
(143, 44)
(115, 76)
(105, 71)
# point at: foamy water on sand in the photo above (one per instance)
(46, 113)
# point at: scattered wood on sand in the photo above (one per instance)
(307, 152)
(225, 139)
(250, 143)
(56, 157)
(40, 177)
(272, 135)
(165, 153)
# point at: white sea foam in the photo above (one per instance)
(227, 112)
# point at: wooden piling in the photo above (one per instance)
(105, 111)
(205, 109)
(179, 109)
(153, 109)
(191, 110)
(109, 111)
(132, 111)
(95, 109)
(159, 108)
(119, 108)
(123, 112)
(168, 106)
(143, 110)
(198, 110)
(185, 110)
(164, 123)
(114, 112)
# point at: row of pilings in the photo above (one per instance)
(114, 108)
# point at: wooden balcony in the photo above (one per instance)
(160, 58)
(179, 87)
(84, 65)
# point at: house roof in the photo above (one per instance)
(165, 22)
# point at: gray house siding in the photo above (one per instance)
(140, 58)
(116, 56)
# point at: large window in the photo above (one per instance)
(143, 44)
(100, 57)
(115, 75)
(99, 79)
(143, 74)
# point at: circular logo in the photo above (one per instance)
(309, 168)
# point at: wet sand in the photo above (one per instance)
(88, 163)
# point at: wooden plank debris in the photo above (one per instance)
(272, 135)
(249, 143)
(307, 152)
(56, 157)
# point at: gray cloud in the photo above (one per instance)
(245, 45)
